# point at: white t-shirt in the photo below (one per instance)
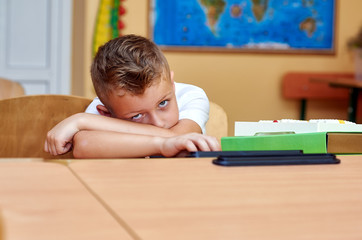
(192, 104)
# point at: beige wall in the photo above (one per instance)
(247, 86)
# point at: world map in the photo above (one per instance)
(244, 24)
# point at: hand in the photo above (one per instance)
(190, 142)
(59, 138)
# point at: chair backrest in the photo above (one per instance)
(217, 125)
(10, 89)
(25, 121)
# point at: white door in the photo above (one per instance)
(35, 44)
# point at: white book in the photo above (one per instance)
(284, 126)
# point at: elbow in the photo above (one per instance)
(81, 145)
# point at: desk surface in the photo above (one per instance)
(43, 201)
(194, 199)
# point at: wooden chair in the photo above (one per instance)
(298, 85)
(26, 120)
(217, 125)
(10, 89)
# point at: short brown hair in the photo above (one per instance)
(132, 63)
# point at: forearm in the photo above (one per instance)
(86, 121)
(106, 144)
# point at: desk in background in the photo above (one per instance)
(42, 201)
(350, 83)
(194, 199)
(298, 86)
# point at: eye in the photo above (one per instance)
(137, 116)
(163, 104)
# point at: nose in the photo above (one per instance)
(156, 120)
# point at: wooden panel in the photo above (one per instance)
(29, 34)
(36, 87)
(35, 42)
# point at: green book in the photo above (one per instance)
(317, 142)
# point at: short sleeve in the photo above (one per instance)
(92, 108)
(193, 104)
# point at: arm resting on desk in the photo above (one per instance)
(59, 138)
(106, 144)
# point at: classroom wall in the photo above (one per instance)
(247, 86)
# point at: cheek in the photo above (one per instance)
(173, 116)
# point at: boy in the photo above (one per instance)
(139, 111)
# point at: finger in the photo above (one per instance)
(202, 145)
(50, 143)
(204, 142)
(67, 147)
(190, 146)
(53, 147)
(61, 148)
(46, 146)
(52, 150)
(214, 144)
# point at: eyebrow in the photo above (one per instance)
(165, 96)
(131, 114)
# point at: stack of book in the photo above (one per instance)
(313, 136)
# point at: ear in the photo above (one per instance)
(172, 81)
(172, 74)
(103, 110)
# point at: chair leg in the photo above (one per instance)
(352, 108)
(303, 106)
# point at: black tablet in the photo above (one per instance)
(269, 160)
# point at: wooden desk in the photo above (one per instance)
(349, 83)
(43, 201)
(194, 199)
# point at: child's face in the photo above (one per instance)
(156, 106)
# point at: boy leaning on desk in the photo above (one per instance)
(140, 111)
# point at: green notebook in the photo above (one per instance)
(318, 142)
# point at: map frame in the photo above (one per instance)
(225, 49)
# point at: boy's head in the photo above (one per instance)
(129, 74)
